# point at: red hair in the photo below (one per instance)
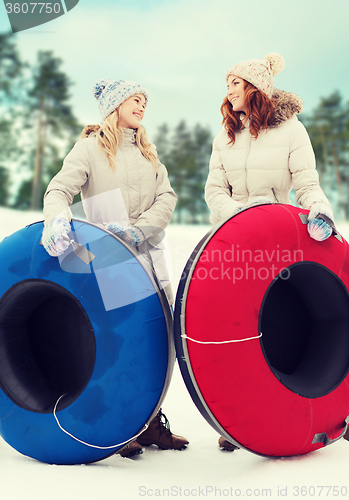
(259, 108)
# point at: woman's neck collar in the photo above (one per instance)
(130, 133)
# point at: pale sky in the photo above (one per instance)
(180, 50)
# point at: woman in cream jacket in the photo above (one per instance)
(125, 190)
(263, 150)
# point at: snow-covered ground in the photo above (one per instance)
(201, 470)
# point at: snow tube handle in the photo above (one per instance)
(322, 437)
(335, 233)
(80, 251)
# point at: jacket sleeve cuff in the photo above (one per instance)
(320, 209)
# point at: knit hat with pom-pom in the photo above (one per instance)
(111, 93)
(259, 72)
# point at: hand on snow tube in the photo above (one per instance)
(319, 230)
(131, 235)
(321, 210)
(53, 236)
(320, 222)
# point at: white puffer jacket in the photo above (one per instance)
(266, 168)
(134, 194)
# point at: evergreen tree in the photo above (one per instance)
(51, 118)
(11, 68)
(186, 156)
(328, 127)
(202, 148)
(5, 131)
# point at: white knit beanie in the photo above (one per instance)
(259, 72)
(111, 93)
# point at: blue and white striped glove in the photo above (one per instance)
(320, 222)
(53, 236)
(319, 230)
(131, 235)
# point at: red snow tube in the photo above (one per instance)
(262, 332)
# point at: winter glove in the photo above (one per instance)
(53, 236)
(131, 235)
(320, 222)
(318, 210)
(319, 230)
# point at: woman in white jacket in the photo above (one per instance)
(262, 152)
(124, 189)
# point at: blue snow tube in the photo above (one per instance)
(86, 351)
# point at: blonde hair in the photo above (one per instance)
(110, 135)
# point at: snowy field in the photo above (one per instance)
(200, 471)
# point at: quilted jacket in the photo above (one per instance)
(134, 194)
(266, 168)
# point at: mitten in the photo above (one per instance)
(319, 230)
(131, 235)
(53, 236)
(319, 209)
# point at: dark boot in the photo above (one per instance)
(346, 435)
(131, 449)
(225, 445)
(159, 433)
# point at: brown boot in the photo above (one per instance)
(346, 435)
(225, 445)
(159, 433)
(131, 449)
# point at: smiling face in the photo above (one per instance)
(131, 111)
(236, 93)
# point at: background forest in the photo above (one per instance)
(38, 127)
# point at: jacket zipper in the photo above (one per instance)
(248, 153)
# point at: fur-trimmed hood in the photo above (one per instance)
(286, 106)
(89, 129)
